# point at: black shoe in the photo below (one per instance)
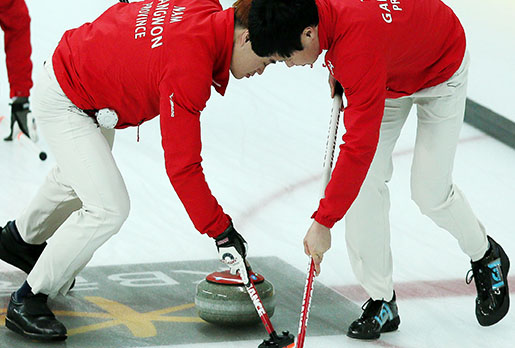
(491, 277)
(33, 319)
(378, 316)
(21, 255)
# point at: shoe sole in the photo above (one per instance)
(493, 319)
(11, 325)
(390, 326)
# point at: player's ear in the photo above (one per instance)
(246, 36)
(242, 38)
(309, 36)
(308, 32)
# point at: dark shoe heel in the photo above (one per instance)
(391, 325)
(14, 260)
(20, 255)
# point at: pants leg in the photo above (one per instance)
(440, 117)
(52, 205)
(85, 166)
(367, 221)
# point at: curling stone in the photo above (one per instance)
(222, 299)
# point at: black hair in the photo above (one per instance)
(275, 26)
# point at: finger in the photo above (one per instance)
(306, 248)
(317, 257)
(331, 85)
(317, 269)
(317, 260)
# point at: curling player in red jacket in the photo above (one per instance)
(388, 55)
(134, 62)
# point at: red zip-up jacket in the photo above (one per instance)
(15, 22)
(156, 57)
(379, 49)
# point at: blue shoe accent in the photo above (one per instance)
(496, 274)
(384, 315)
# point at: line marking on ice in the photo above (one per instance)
(264, 202)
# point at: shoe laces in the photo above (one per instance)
(370, 308)
(469, 277)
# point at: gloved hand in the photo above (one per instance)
(19, 111)
(232, 250)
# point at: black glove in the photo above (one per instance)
(232, 250)
(19, 111)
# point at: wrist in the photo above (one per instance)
(319, 228)
(225, 234)
(323, 220)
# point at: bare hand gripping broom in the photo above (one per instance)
(328, 165)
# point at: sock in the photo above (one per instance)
(16, 234)
(487, 253)
(22, 292)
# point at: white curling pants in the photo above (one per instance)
(83, 201)
(440, 112)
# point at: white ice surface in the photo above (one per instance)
(263, 146)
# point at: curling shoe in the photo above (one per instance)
(32, 319)
(16, 252)
(378, 316)
(491, 277)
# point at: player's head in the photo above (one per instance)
(245, 62)
(286, 29)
